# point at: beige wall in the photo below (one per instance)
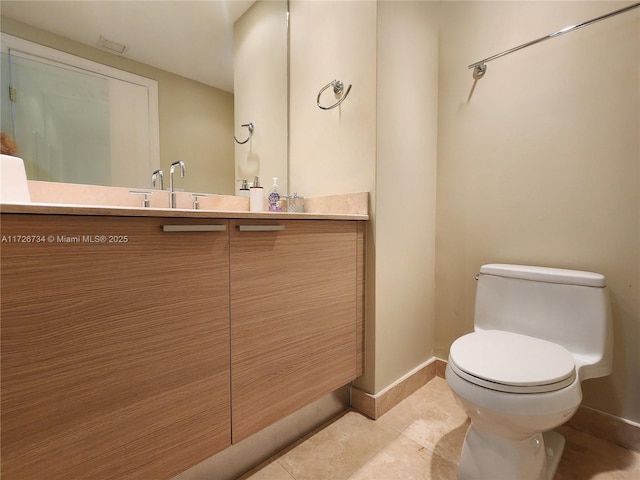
(196, 121)
(261, 89)
(538, 163)
(382, 139)
(407, 112)
(334, 151)
(196, 126)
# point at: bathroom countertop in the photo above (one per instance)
(71, 209)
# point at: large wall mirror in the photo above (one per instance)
(216, 65)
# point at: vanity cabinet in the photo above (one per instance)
(115, 346)
(127, 349)
(296, 315)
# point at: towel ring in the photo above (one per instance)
(250, 126)
(338, 88)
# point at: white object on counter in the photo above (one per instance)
(13, 180)
(256, 197)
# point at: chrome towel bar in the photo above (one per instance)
(480, 67)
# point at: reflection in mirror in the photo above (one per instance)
(72, 104)
(195, 117)
(261, 92)
(73, 126)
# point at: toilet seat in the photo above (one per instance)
(511, 362)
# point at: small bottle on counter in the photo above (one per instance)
(296, 204)
(274, 197)
(244, 188)
(256, 197)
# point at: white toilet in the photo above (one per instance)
(538, 332)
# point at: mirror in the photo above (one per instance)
(218, 65)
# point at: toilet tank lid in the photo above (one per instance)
(545, 274)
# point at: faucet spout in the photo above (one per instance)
(155, 176)
(172, 194)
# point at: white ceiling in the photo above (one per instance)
(193, 39)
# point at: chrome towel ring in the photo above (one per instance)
(338, 88)
(250, 127)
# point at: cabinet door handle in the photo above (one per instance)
(194, 228)
(260, 228)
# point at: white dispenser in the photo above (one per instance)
(244, 188)
(256, 197)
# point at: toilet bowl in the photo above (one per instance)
(538, 332)
(508, 411)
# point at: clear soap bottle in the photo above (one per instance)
(274, 197)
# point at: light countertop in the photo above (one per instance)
(71, 209)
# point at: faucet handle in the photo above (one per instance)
(195, 196)
(145, 200)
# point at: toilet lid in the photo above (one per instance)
(511, 362)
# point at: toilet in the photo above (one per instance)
(538, 333)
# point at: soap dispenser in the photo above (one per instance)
(244, 188)
(256, 197)
(274, 197)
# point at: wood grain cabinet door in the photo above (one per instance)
(115, 347)
(294, 316)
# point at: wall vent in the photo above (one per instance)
(111, 46)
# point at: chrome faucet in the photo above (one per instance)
(155, 176)
(180, 164)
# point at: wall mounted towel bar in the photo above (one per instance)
(480, 67)
(250, 127)
(338, 89)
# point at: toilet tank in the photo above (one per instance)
(567, 307)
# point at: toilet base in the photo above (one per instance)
(554, 446)
(485, 455)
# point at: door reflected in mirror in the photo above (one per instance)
(76, 121)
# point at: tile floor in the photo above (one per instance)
(421, 439)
